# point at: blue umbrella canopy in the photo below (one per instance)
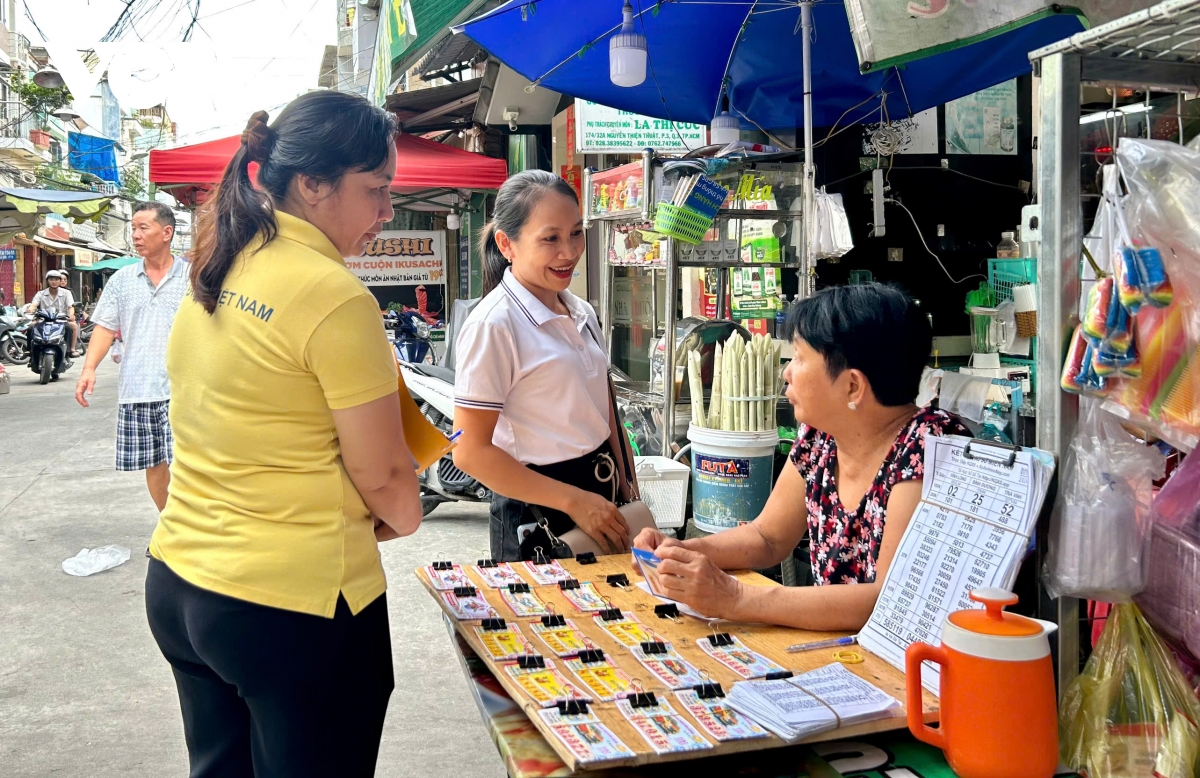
(754, 47)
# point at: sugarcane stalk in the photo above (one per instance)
(727, 388)
(696, 388)
(714, 404)
(745, 384)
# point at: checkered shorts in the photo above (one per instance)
(143, 435)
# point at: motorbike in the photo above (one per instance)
(410, 336)
(49, 355)
(14, 347)
(432, 386)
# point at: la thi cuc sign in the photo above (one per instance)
(600, 129)
(402, 258)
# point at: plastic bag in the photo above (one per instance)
(94, 560)
(1171, 599)
(1101, 518)
(1164, 186)
(1130, 713)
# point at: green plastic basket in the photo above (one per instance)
(681, 223)
(1004, 274)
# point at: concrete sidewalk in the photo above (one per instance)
(83, 689)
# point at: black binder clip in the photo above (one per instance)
(493, 625)
(643, 700)
(443, 565)
(486, 563)
(464, 591)
(586, 558)
(591, 656)
(1007, 460)
(718, 639)
(573, 707)
(650, 647)
(778, 675)
(518, 588)
(709, 691)
(619, 580)
(568, 583)
(531, 662)
(554, 620)
(667, 610)
(611, 614)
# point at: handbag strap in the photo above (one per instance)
(621, 452)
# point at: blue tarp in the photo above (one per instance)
(565, 44)
(89, 154)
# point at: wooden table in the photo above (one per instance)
(767, 640)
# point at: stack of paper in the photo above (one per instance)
(815, 702)
(979, 507)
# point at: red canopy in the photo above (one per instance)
(190, 171)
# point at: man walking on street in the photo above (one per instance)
(140, 302)
(56, 297)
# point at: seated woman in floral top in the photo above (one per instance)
(859, 460)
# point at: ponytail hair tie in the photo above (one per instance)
(258, 138)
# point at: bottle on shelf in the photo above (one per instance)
(1008, 248)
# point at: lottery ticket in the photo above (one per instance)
(549, 573)
(670, 668)
(585, 737)
(717, 718)
(746, 663)
(445, 580)
(563, 641)
(502, 643)
(603, 679)
(469, 608)
(498, 577)
(546, 686)
(662, 728)
(627, 630)
(586, 598)
(524, 603)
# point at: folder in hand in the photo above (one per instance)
(426, 442)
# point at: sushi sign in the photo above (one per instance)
(604, 130)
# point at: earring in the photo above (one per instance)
(853, 405)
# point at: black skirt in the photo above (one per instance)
(508, 515)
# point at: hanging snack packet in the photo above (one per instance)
(1100, 299)
(1130, 285)
(1118, 332)
(1073, 368)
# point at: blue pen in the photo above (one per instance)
(453, 438)
(831, 643)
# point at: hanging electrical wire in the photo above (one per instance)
(187, 33)
(894, 201)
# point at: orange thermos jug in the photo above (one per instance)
(999, 716)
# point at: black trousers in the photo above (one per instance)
(508, 514)
(271, 693)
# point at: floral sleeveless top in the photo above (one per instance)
(844, 545)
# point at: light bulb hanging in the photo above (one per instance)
(627, 53)
(725, 127)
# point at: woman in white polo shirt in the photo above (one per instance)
(532, 393)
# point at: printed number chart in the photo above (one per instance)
(979, 505)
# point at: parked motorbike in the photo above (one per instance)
(410, 336)
(49, 355)
(14, 346)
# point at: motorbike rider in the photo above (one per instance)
(56, 297)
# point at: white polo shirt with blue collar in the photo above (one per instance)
(546, 374)
(142, 313)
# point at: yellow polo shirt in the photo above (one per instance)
(260, 506)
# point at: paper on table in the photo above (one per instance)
(970, 530)
(718, 718)
(588, 739)
(685, 609)
(662, 728)
(811, 703)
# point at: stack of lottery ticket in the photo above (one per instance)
(585, 737)
(738, 658)
(566, 640)
(469, 608)
(663, 729)
(718, 718)
(498, 577)
(814, 702)
(445, 580)
(548, 573)
(669, 667)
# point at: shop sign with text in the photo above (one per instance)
(600, 129)
(402, 258)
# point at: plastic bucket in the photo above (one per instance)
(731, 476)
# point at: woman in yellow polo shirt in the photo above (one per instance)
(265, 591)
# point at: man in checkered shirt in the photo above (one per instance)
(140, 302)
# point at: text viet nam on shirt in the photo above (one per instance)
(143, 313)
(261, 508)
